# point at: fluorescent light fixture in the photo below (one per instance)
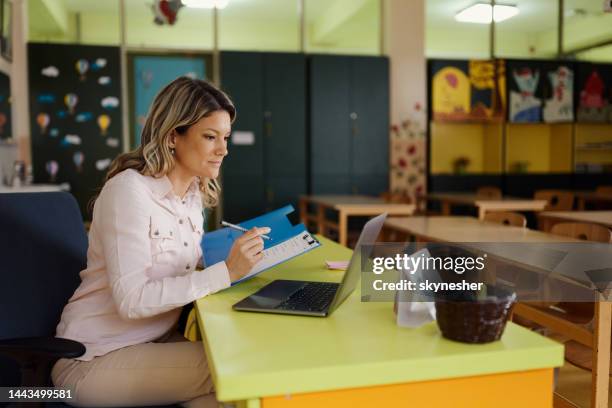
(481, 13)
(205, 4)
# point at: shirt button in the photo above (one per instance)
(184, 243)
(184, 201)
(187, 267)
(181, 221)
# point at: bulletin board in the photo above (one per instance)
(471, 90)
(593, 93)
(75, 115)
(6, 128)
(540, 91)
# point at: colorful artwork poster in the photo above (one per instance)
(467, 90)
(75, 115)
(450, 90)
(540, 91)
(593, 92)
(6, 130)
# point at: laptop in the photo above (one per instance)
(313, 298)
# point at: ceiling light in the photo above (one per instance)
(205, 4)
(481, 13)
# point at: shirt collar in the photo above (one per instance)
(162, 187)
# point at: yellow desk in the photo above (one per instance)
(346, 206)
(485, 204)
(469, 229)
(358, 357)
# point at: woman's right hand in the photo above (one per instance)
(245, 253)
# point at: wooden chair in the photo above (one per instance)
(583, 230)
(603, 190)
(396, 198)
(491, 192)
(558, 200)
(573, 319)
(506, 218)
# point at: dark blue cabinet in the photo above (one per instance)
(269, 91)
(349, 124)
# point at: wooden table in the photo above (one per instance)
(547, 219)
(485, 204)
(358, 357)
(346, 206)
(591, 196)
(468, 229)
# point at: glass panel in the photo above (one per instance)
(585, 25)
(192, 28)
(532, 33)
(469, 40)
(91, 22)
(262, 25)
(343, 26)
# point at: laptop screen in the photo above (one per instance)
(368, 237)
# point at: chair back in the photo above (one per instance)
(396, 198)
(506, 218)
(558, 200)
(491, 192)
(583, 230)
(43, 247)
(603, 190)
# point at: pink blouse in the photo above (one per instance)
(144, 246)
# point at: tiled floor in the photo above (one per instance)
(575, 384)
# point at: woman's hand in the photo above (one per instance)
(245, 253)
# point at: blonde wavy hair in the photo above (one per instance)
(181, 103)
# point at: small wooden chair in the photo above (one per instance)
(558, 200)
(583, 230)
(603, 190)
(396, 198)
(491, 192)
(578, 313)
(506, 218)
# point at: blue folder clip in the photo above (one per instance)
(216, 245)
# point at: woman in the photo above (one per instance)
(144, 247)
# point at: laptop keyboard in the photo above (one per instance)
(313, 297)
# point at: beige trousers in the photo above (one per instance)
(168, 371)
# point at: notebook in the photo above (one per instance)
(288, 241)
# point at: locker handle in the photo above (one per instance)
(268, 123)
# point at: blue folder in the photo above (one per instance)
(216, 245)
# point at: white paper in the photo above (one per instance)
(244, 138)
(279, 253)
(411, 310)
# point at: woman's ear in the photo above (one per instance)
(172, 139)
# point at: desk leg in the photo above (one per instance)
(342, 228)
(581, 204)
(446, 208)
(481, 212)
(321, 219)
(601, 354)
(304, 211)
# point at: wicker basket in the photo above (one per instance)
(474, 321)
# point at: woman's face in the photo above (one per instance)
(200, 151)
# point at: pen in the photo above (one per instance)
(239, 228)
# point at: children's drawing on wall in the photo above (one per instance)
(485, 101)
(594, 84)
(524, 106)
(451, 94)
(560, 106)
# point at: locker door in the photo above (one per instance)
(329, 124)
(370, 123)
(284, 128)
(243, 168)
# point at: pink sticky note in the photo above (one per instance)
(337, 265)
